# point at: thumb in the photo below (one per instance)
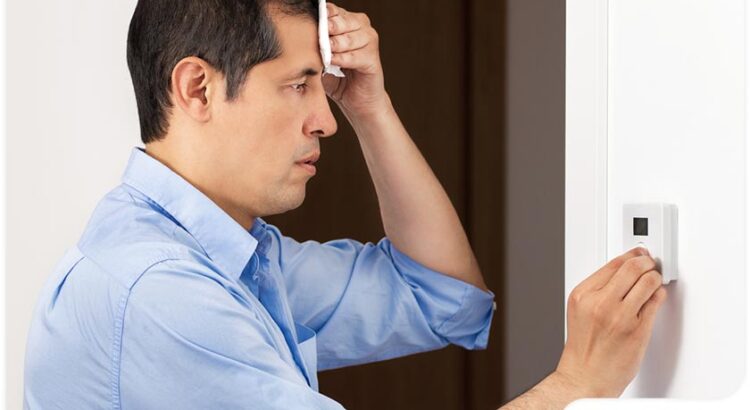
(333, 85)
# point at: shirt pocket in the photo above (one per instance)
(308, 348)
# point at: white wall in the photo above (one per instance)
(656, 113)
(676, 134)
(71, 121)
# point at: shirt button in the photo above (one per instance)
(255, 277)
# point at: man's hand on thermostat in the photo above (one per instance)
(610, 318)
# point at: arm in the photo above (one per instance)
(417, 214)
(554, 392)
(370, 302)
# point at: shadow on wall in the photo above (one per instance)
(660, 362)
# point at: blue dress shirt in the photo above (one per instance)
(168, 303)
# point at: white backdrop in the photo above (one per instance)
(71, 121)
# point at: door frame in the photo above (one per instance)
(586, 138)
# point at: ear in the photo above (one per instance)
(193, 85)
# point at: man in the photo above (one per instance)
(178, 294)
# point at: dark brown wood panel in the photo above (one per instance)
(486, 173)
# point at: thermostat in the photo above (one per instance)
(653, 226)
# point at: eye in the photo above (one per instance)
(299, 87)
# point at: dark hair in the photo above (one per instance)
(231, 35)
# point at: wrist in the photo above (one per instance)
(577, 387)
(371, 113)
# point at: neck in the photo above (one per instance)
(239, 215)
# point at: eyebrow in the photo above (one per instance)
(305, 72)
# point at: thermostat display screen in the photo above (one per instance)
(640, 226)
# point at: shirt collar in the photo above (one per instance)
(224, 240)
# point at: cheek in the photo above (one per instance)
(273, 155)
(282, 140)
(263, 138)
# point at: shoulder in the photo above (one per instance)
(127, 234)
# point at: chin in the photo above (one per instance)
(287, 202)
(296, 204)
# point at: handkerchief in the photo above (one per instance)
(325, 42)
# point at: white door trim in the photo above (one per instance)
(586, 97)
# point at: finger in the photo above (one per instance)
(341, 24)
(601, 277)
(357, 59)
(647, 315)
(642, 291)
(350, 41)
(333, 10)
(628, 274)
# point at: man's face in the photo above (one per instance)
(259, 141)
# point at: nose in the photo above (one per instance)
(321, 123)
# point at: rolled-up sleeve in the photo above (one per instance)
(370, 302)
(457, 310)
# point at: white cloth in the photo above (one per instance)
(325, 42)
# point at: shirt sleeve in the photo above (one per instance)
(190, 342)
(370, 302)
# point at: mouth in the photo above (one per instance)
(310, 159)
(308, 163)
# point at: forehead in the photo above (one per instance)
(298, 38)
